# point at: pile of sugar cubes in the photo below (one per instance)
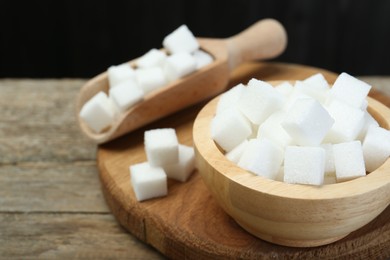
(166, 158)
(308, 133)
(129, 84)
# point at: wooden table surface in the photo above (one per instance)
(51, 202)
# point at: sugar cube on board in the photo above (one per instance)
(153, 58)
(202, 58)
(285, 88)
(179, 65)
(350, 90)
(229, 99)
(147, 181)
(230, 128)
(304, 165)
(98, 112)
(348, 122)
(307, 122)
(259, 100)
(150, 79)
(272, 129)
(329, 158)
(181, 40)
(348, 160)
(376, 147)
(161, 146)
(119, 73)
(184, 167)
(262, 157)
(126, 94)
(235, 154)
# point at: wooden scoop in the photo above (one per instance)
(263, 40)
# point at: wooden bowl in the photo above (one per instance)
(291, 214)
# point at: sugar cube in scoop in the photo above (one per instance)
(202, 58)
(119, 73)
(126, 94)
(150, 79)
(153, 58)
(181, 40)
(179, 65)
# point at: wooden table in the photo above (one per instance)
(51, 202)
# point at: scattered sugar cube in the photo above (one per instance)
(262, 157)
(150, 79)
(272, 129)
(184, 167)
(230, 98)
(235, 154)
(119, 73)
(307, 122)
(153, 58)
(147, 181)
(181, 40)
(368, 121)
(348, 160)
(259, 100)
(161, 146)
(98, 112)
(126, 94)
(230, 128)
(350, 90)
(348, 122)
(284, 88)
(202, 58)
(304, 165)
(329, 159)
(376, 147)
(179, 65)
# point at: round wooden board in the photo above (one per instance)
(188, 223)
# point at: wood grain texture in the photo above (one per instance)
(188, 223)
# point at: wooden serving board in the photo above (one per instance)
(188, 223)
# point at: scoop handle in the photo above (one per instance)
(265, 39)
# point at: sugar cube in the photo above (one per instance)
(317, 82)
(98, 112)
(181, 40)
(161, 146)
(235, 154)
(284, 88)
(148, 182)
(150, 79)
(348, 160)
(307, 122)
(202, 58)
(272, 129)
(329, 158)
(316, 90)
(259, 100)
(184, 167)
(350, 90)
(368, 121)
(126, 94)
(376, 147)
(179, 65)
(153, 58)
(119, 73)
(230, 98)
(230, 128)
(304, 165)
(262, 157)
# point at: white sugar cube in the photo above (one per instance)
(148, 182)
(368, 121)
(350, 90)
(317, 82)
(230, 98)
(262, 157)
(348, 160)
(272, 129)
(126, 94)
(179, 65)
(181, 40)
(304, 165)
(161, 146)
(235, 154)
(202, 58)
(307, 122)
(348, 123)
(184, 167)
(329, 158)
(153, 58)
(150, 79)
(119, 73)
(317, 90)
(230, 128)
(284, 88)
(98, 112)
(376, 147)
(259, 100)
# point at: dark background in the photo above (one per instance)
(82, 38)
